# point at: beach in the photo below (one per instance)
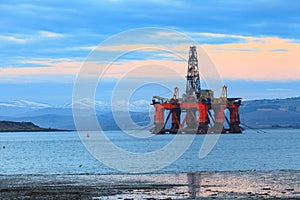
(283, 184)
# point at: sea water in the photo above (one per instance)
(64, 153)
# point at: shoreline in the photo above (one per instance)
(154, 173)
(204, 185)
(34, 131)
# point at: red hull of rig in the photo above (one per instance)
(197, 111)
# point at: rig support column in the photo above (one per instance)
(191, 120)
(159, 119)
(176, 112)
(219, 118)
(235, 118)
(203, 118)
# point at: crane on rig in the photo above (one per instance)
(175, 94)
(198, 111)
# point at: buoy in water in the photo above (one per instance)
(3, 147)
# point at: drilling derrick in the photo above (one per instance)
(193, 86)
(198, 111)
(193, 89)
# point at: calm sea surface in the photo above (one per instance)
(63, 152)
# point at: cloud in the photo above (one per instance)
(255, 58)
(278, 89)
(240, 17)
(37, 36)
(57, 70)
(12, 39)
(246, 39)
(51, 62)
(262, 44)
(48, 34)
(82, 48)
(178, 43)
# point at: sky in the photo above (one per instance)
(255, 45)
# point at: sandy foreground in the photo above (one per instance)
(202, 185)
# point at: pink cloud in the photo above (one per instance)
(259, 58)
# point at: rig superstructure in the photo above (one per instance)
(198, 111)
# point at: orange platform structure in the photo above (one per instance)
(198, 111)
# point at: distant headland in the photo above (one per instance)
(11, 126)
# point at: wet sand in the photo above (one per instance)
(202, 185)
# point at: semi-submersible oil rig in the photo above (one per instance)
(198, 111)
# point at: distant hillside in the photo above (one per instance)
(272, 113)
(10, 126)
(265, 113)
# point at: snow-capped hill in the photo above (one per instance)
(6, 104)
(21, 107)
(31, 104)
(140, 106)
(86, 103)
(135, 106)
